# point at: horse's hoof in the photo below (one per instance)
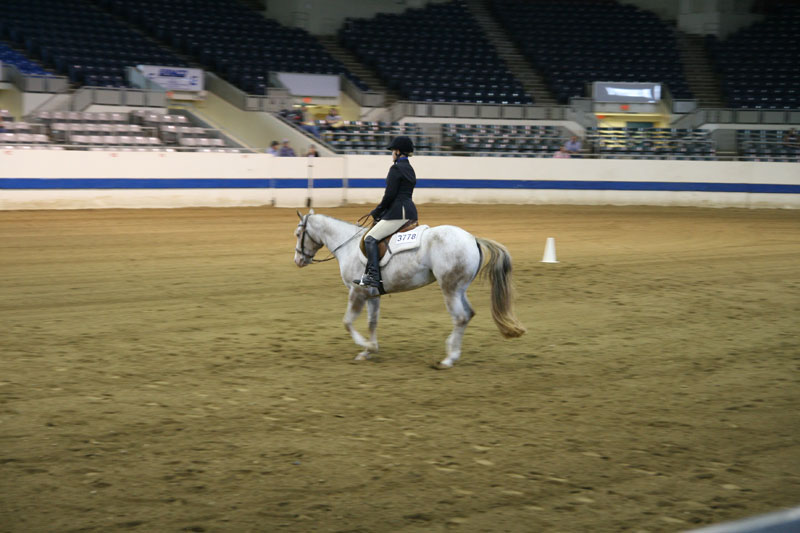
(442, 365)
(363, 356)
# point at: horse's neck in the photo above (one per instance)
(333, 232)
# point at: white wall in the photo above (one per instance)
(11, 99)
(254, 129)
(715, 17)
(47, 165)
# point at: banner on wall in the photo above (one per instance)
(174, 78)
(301, 84)
(626, 92)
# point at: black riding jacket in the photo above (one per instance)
(396, 203)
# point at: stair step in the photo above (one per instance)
(508, 52)
(699, 71)
(352, 63)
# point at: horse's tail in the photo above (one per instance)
(498, 267)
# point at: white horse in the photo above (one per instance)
(446, 254)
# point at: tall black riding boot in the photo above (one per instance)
(372, 274)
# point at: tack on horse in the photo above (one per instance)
(446, 254)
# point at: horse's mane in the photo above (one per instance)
(340, 220)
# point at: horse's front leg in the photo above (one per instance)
(355, 304)
(373, 311)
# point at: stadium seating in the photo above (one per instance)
(23, 63)
(21, 135)
(758, 65)
(357, 137)
(230, 39)
(138, 130)
(767, 145)
(575, 42)
(651, 143)
(10, 140)
(513, 140)
(79, 41)
(437, 53)
(508, 140)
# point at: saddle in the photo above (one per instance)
(383, 244)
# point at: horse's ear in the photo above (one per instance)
(310, 211)
(299, 215)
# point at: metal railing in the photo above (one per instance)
(275, 99)
(122, 96)
(738, 116)
(403, 108)
(34, 83)
(362, 98)
(111, 147)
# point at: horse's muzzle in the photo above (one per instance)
(301, 260)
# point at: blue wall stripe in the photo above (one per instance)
(302, 183)
(163, 183)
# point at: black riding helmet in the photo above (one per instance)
(403, 144)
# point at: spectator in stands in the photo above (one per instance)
(573, 146)
(286, 150)
(307, 123)
(562, 153)
(394, 211)
(312, 151)
(791, 138)
(273, 148)
(333, 119)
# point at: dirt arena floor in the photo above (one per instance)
(173, 370)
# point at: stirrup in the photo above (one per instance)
(367, 281)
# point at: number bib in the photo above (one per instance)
(408, 240)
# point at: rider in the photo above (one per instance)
(396, 208)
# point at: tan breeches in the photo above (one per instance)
(384, 228)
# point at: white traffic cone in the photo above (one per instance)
(549, 251)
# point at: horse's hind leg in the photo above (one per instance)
(355, 304)
(461, 312)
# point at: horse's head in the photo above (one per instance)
(307, 245)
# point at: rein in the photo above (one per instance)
(331, 255)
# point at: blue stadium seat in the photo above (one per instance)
(436, 53)
(78, 40)
(575, 42)
(758, 64)
(23, 63)
(231, 39)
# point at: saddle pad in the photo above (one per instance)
(408, 240)
(399, 242)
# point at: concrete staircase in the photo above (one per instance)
(331, 44)
(699, 72)
(532, 82)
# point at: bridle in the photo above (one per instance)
(304, 234)
(302, 249)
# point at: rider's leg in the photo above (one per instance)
(381, 230)
(372, 273)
